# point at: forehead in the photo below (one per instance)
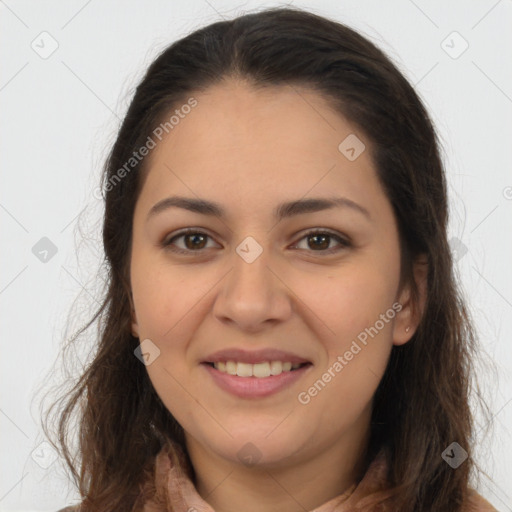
(263, 143)
(236, 119)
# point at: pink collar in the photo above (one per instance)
(170, 487)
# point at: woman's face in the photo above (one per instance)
(253, 281)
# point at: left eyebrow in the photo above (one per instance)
(282, 211)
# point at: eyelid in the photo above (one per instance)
(343, 240)
(166, 242)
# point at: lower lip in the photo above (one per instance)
(255, 387)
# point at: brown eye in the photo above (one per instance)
(319, 241)
(194, 241)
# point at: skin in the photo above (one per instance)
(250, 150)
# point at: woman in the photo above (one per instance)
(282, 329)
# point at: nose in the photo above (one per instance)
(253, 295)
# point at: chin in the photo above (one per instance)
(263, 449)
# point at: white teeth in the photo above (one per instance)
(276, 367)
(259, 370)
(230, 367)
(244, 369)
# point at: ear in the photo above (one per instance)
(135, 326)
(409, 317)
(133, 316)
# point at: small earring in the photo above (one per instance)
(407, 329)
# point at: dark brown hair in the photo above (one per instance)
(421, 405)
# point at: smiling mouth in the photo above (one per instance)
(259, 370)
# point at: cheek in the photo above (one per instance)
(162, 295)
(356, 304)
(167, 301)
(350, 299)
(356, 352)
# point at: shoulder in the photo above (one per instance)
(477, 503)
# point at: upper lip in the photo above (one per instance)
(253, 356)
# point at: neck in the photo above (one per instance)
(303, 485)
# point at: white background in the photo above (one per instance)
(60, 115)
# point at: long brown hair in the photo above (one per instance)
(422, 403)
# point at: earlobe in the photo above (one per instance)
(411, 313)
(135, 325)
(135, 329)
(404, 327)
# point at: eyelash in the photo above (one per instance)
(167, 244)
